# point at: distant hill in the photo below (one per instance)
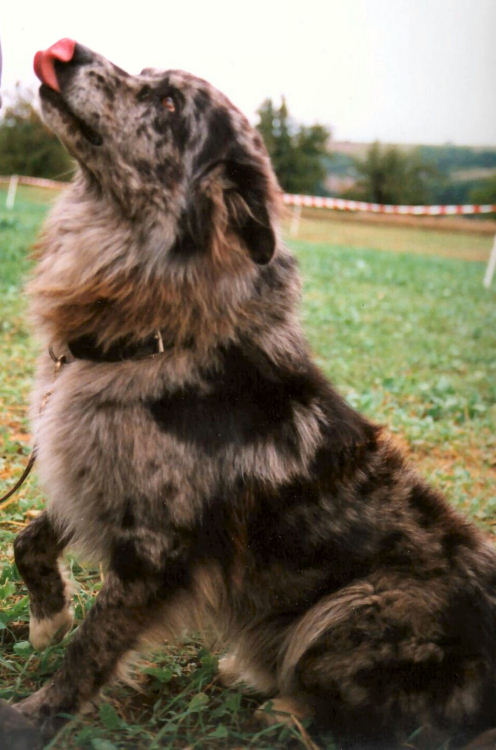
(461, 169)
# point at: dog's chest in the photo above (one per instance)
(101, 450)
(110, 439)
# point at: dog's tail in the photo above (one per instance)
(326, 614)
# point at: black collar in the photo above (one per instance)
(86, 347)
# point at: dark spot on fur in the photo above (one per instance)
(168, 490)
(201, 101)
(220, 137)
(426, 504)
(456, 538)
(168, 172)
(144, 169)
(128, 520)
(213, 539)
(160, 124)
(247, 400)
(469, 623)
(270, 279)
(144, 93)
(194, 229)
(254, 226)
(106, 86)
(397, 550)
(181, 131)
(402, 676)
(44, 569)
(347, 439)
(128, 563)
(106, 517)
(377, 481)
(36, 550)
(133, 559)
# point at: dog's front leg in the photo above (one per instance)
(37, 550)
(146, 569)
(122, 612)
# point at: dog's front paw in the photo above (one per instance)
(49, 630)
(229, 674)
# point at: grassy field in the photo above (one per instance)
(409, 337)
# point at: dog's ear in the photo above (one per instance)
(247, 196)
(230, 198)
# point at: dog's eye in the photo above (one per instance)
(169, 103)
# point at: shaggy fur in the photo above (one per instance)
(222, 482)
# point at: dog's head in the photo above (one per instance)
(163, 144)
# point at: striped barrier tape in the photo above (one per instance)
(317, 201)
(340, 204)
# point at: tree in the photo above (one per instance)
(388, 174)
(297, 151)
(485, 192)
(27, 147)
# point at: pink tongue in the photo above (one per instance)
(62, 50)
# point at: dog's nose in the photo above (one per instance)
(44, 61)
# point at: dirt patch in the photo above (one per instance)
(438, 223)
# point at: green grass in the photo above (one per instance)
(411, 341)
(413, 235)
(409, 338)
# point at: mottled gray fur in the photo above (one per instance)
(222, 483)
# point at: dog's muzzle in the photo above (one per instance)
(55, 67)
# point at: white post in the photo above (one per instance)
(11, 192)
(491, 266)
(295, 221)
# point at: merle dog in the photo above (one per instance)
(187, 442)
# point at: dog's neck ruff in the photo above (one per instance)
(86, 347)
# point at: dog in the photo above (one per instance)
(187, 442)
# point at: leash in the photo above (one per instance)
(20, 481)
(4, 499)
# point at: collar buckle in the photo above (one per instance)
(59, 361)
(160, 342)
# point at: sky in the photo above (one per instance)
(399, 71)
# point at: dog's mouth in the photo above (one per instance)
(52, 66)
(55, 99)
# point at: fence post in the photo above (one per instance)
(295, 221)
(491, 265)
(11, 192)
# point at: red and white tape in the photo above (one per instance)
(340, 204)
(317, 201)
